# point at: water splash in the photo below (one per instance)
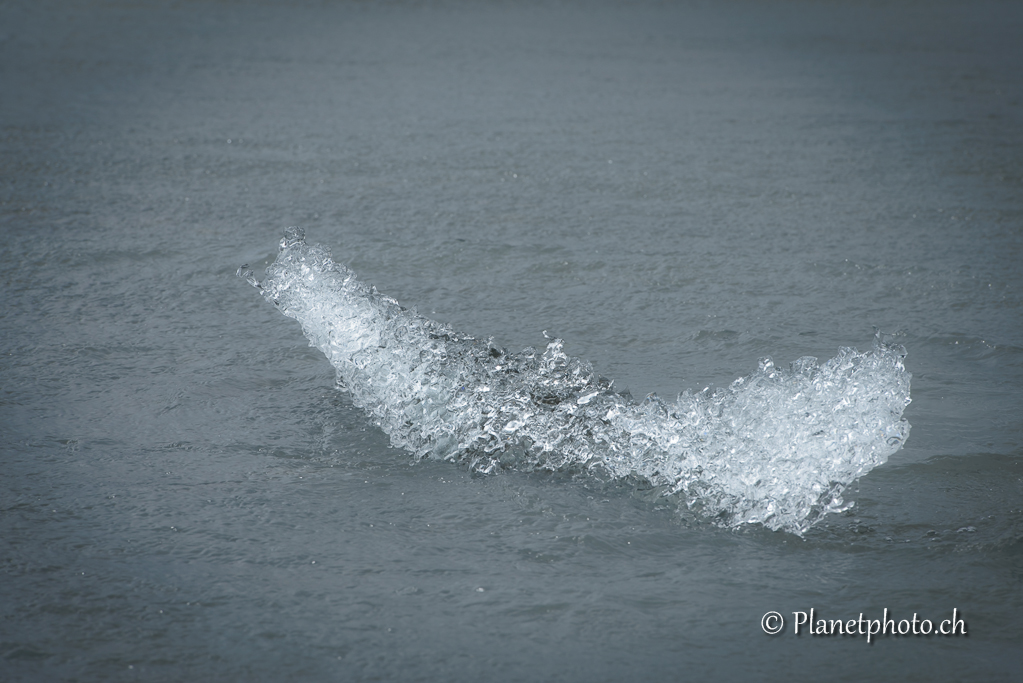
(777, 447)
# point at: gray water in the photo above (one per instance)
(676, 190)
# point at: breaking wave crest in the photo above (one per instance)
(777, 447)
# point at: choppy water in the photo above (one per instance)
(676, 191)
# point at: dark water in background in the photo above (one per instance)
(676, 190)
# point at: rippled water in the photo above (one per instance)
(673, 192)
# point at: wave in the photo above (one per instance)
(777, 447)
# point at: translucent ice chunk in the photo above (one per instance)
(777, 447)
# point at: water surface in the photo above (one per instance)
(674, 190)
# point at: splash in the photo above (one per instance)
(777, 447)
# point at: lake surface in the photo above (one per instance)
(675, 190)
